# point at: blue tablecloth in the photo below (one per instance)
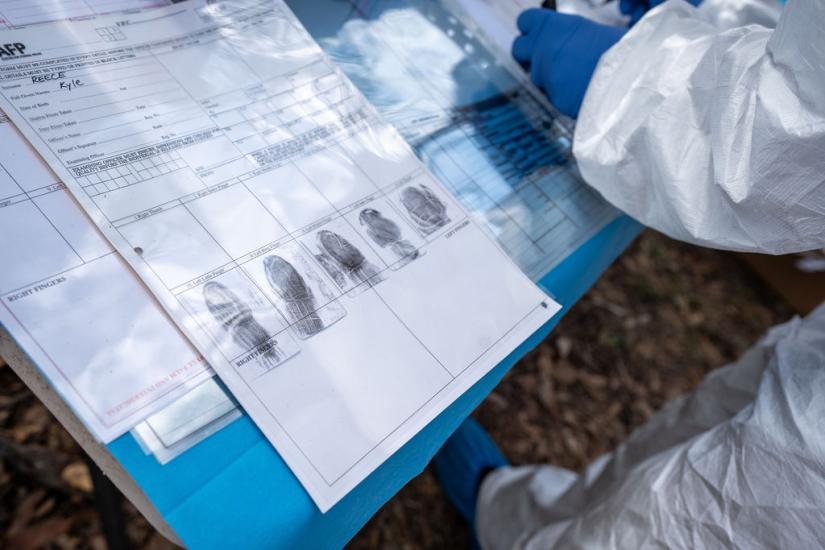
(234, 490)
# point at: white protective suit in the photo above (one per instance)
(712, 137)
(738, 463)
(716, 138)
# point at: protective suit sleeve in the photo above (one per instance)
(713, 137)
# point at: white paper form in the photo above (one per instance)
(77, 309)
(19, 13)
(99, 390)
(338, 290)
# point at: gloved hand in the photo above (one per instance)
(637, 8)
(561, 51)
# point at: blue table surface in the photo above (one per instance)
(234, 490)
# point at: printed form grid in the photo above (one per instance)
(115, 178)
(14, 195)
(113, 183)
(18, 13)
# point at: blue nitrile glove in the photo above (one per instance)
(561, 52)
(637, 8)
(461, 464)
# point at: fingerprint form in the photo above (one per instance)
(427, 211)
(299, 301)
(236, 318)
(386, 233)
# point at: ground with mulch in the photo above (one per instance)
(658, 320)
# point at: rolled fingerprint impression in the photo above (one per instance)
(299, 301)
(425, 208)
(332, 269)
(351, 260)
(237, 319)
(386, 233)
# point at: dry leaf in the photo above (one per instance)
(26, 511)
(40, 534)
(497, 400)
(35, 420)
(77, 476)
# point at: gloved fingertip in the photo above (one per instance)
(522, 49)
(528, 19)
(627, 6)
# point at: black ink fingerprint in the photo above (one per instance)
(425, 208)
(386, 233)
(298, 298)
(348, 258)
(237, 319)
